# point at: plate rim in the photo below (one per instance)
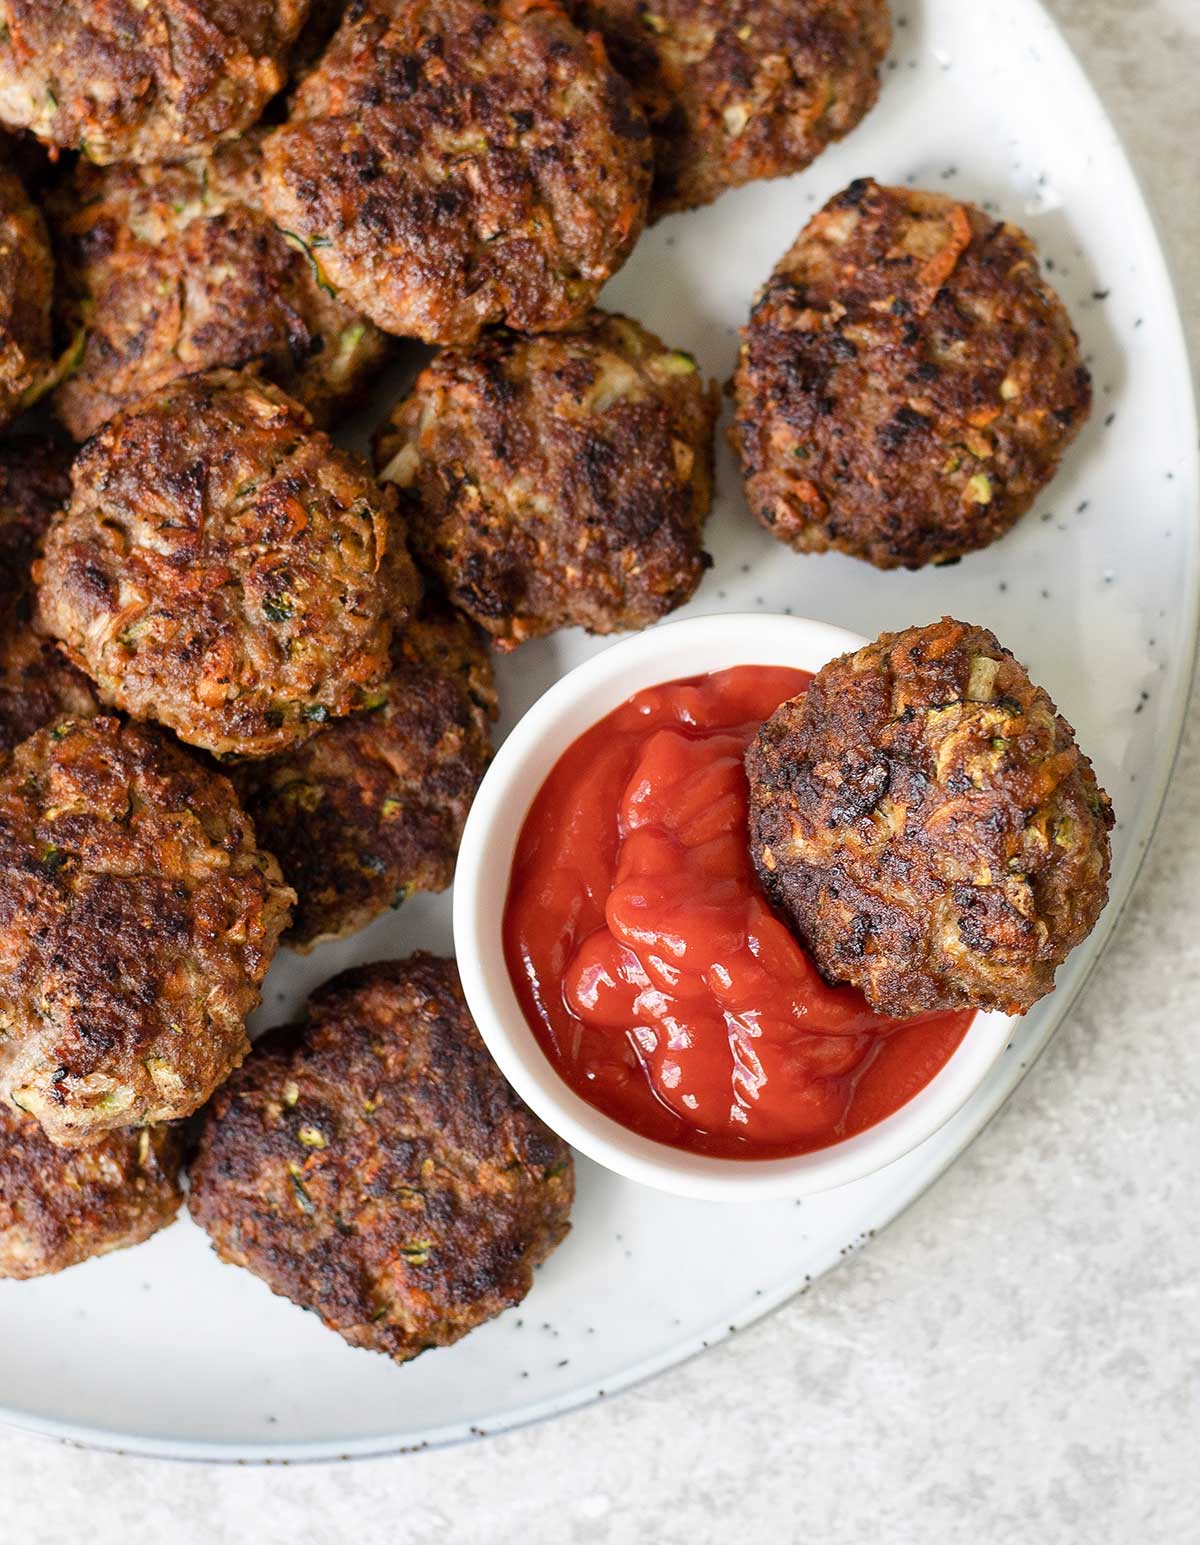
(324, 1451)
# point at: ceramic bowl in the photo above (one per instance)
(664, 653)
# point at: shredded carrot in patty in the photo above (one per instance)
(942, 264)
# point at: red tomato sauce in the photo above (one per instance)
(652, 969)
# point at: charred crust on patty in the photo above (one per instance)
(167, 270)
(371, 810)
(61, 1206)
(457, 164)
(37, 682)
(141, 80)
(737, 90)
(926, 820)
(557, 481)
(224, 569)
(908, 382)
(137, 920)
(373, 1165)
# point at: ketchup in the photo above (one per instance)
(652, 969)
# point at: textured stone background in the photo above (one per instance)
(1016, 1360)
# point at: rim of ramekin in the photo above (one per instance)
(668, 652)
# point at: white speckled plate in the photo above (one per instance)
(162, 1350)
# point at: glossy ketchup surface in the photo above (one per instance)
(653, 971)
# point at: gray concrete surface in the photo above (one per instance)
(1016, 1360)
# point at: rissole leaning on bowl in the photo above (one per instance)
(646, 827)
(927, 821)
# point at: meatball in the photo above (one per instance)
(455, 163)
(224, 569)
(736, 90)
(927, 822)
(374, 1166)
(137, 919)
(141, 80)
(173, 269)
(59, 1207)
(558, 480)
(373, 808)
(26, 290)
(907, 383)
(37, 683)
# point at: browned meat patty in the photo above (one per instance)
(737, 90)
(373, 808)
(926, 820)
(141, 80)
(26, 291)
(224, 569)
(558, 480)
(37, 683)
(455, 163)
(60, 1206)
(137, 919)
(172, 269)
(907, 384)
(373, 1165)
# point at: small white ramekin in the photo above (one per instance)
(522, 764)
